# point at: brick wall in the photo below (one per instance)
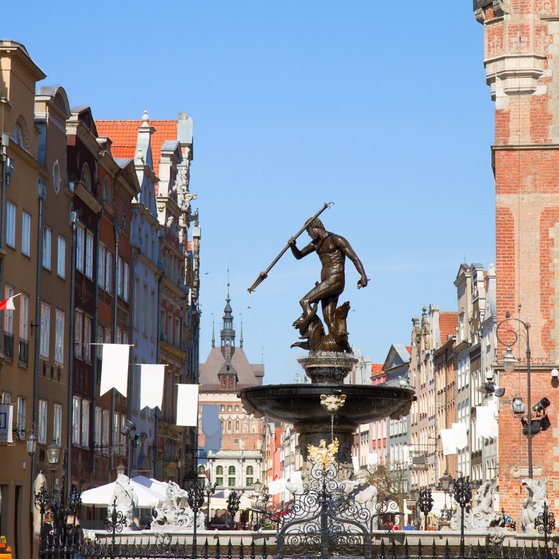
(523, 74)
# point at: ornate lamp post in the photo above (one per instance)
(425, 502)
(233, 503)
(447, 485)
(508, 365)
(462, 495)
(195, 502)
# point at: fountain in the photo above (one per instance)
(327, 408)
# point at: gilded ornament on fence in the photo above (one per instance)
(323, 455)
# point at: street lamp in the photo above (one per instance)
(53, 457)
(462, 495)
(425, 502)
(447, 485)
(508, 365)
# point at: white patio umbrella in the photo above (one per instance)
(147, 497)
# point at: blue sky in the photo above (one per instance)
(380, 108)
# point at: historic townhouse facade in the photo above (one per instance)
(131, 140)
(79, 224)
(22, 181)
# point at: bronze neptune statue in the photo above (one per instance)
(332, 250)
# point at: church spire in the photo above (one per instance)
(227, 331)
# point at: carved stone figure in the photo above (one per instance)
(365, 494)
(125, 500)
(174, 513)
(533, 504)
(482, 515)
(332, 250)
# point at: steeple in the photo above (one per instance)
(227, 331)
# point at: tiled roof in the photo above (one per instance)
(448, 322)
(124, 135)
(248, 374)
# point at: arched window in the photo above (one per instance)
(107, 197)
(19, 134)
(229, 426)
(56, 177)
(86, 177)
(237, 426)
(231, 476)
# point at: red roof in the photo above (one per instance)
(448, 322)
(124, 135)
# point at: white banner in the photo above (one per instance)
(114, 368)
(187, 405)
(151, 386)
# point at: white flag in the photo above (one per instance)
(114, 368)
(151, 386)
(460, 431)
(486, 423)
(187, 404)
(447, 439)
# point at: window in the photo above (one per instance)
(8, 327)
(89, 255)
(126, 282)
(116, 433)
(123, 278)
(47, 247)
(18, 136)
(153, 322)
(76, 420)
(80, 248)
(42, 430)
(231, 476)
(104, 269)
(56, 179)
(45, 329)
(25, 233)
(137, 299)
(219, 476)
(21, 414)
(78, 335)
(86, 411)
(59, 337)
(145, 310)
(57, 424)
(11, 224)
(61, 257)
(98, 426)
(87, 329)
(249, 476)
(23, 329)
(106, 430)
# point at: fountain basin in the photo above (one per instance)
(300, 403)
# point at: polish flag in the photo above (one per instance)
(8, 304)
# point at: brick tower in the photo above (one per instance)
(521, 59)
